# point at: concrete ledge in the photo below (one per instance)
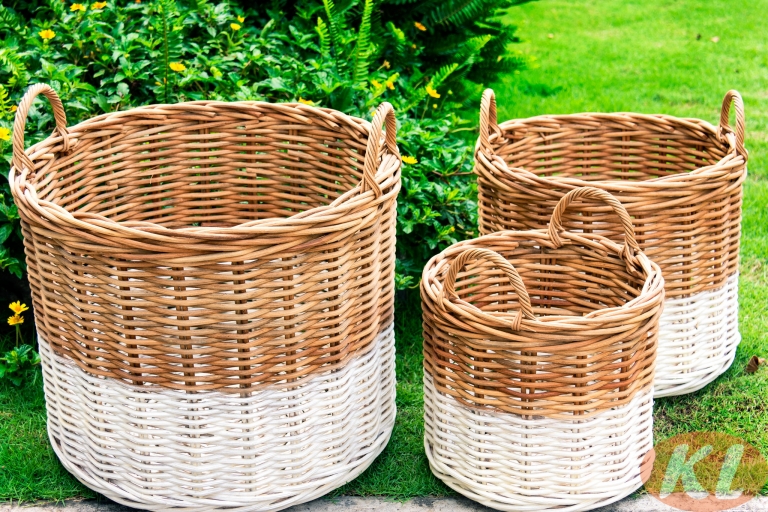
(355, 504)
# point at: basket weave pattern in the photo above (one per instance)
(679, 179)
(549, 335)
(213, 285)
(227, 454)
(210, 245)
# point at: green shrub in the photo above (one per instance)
(350, 56)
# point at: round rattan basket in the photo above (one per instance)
(681, 182)
(539, 351)
(213, 288)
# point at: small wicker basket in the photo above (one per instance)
(213, 288)
(539, 350)
(679, 179)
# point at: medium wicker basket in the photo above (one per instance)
(679, 179)
(539, 351)
(213, 288)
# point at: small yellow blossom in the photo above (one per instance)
(234, 26)
(77, 7)
(434, 105)
(5, 133)
(138, 1)
(241, 19)
(177, 66)
(414, 46)
(306, 102)
(15, 320)
(47, 34)
(390, 86)
(376, 83)
(409, 160)
(386, 64)
(419, 26)
(17, 307)
(14, 108)
(432, 92)
(98, 5)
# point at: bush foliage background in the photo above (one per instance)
(428, 58)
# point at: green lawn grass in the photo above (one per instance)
(606, 55)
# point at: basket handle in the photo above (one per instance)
(20, 158)
(725, 113)
(449, 285)
(488, 119)
(556, 222)
(384, 114)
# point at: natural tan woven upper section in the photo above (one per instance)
(679, 179)
(210, 245)
(543, 322)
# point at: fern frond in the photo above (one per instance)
(458, 12)
(363, 48)
(167, 13)
(12, 62)
(333, 27)
(443, 74)
(325, 37)
(5, 108)
(471, 48)
(10, 21)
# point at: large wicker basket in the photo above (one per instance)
(213, 289)
(679, 179)
(539, 350)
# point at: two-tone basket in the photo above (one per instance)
(681, 182)
(213, 288)
(539, 351)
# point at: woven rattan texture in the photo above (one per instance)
(163, 449)
(680, 179)
(542, 323)
(210, 245)
(509, 462)
(698, 338)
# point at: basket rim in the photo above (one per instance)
(707, 172)
(433, 280)
(327, 217)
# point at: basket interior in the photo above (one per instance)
(569, 281)
(223, 167)
(603, 147)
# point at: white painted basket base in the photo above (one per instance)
(508, 462)
(698, 336)
(159, 449)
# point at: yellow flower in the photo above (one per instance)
(240, 19)
(14, 108)
(47, 34)
(376, 83)
(234, 26)
(432, 92)
(17, 307)
(5, 133)
(386, 64)
(177, 66)
(434, 105)
(390, 86)
(409, 160)
(419, 26)
(15, 320)
(77, 7)
(98, 5)
(306, 102)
